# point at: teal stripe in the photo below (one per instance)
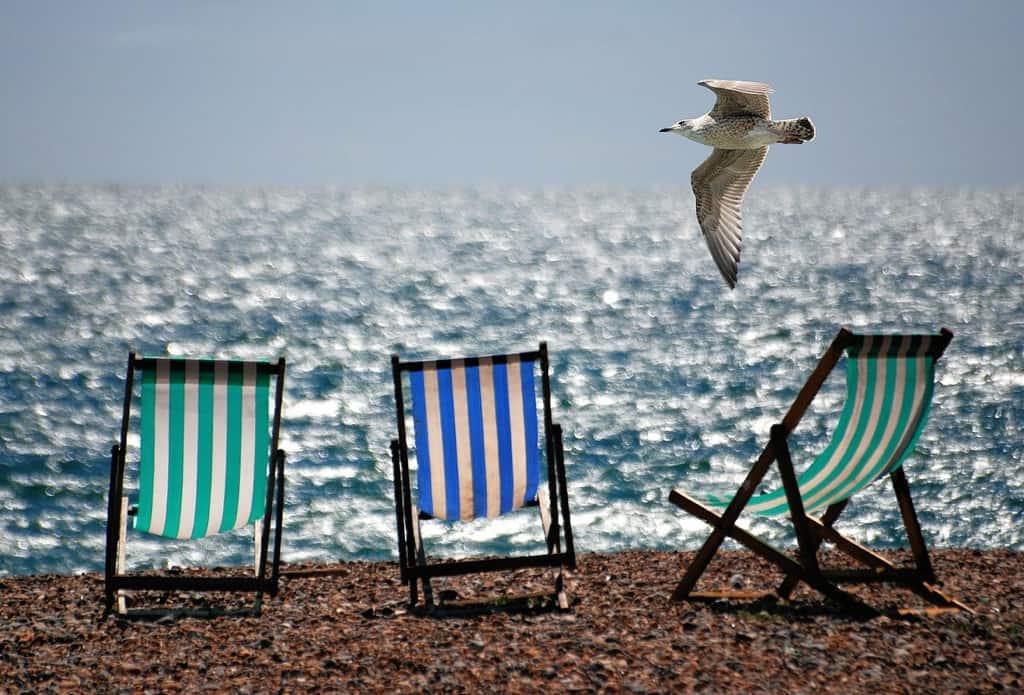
(848, 488)
(146, 445)
(204, 458)
(261, 449)
(233, 447)
(175, 447)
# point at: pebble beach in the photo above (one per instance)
(354, 631)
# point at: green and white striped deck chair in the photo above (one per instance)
(889, 384)
(208, 463)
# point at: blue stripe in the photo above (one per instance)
(419, 416)
(475, 411)
(504, 430)
(530, 430)
(446, 402)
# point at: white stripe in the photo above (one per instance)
(517, 421)
(247, 472)
(462, 443)
(435, 440)
(219, 445)
(190, 454)
(162, 397)
(490, 426)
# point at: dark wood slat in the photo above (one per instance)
(786, 563)
(813, 384)
(910, 522)
(446, 362)
(273, 368)
(864, 555)
(805, 540)
(830, 516)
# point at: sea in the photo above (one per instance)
(662, 377)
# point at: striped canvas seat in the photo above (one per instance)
(205, 447)
(482, 427)
(208, 463)
(477, 445)
(889, 382)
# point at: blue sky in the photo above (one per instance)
(521, 93)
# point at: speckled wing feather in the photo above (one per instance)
(735, 98)
(719, 185)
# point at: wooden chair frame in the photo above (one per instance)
(811, 532)
(552, 500)
(264, 579)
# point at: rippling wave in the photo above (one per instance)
(662, 377)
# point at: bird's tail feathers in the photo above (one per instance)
(795, 130)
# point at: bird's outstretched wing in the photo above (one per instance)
(735, 98)
(719, 185)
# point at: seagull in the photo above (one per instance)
(740, 128)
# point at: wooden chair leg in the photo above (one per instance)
(808, 549)
(563, 496)
(551, 536)
(917, 544)
(421, 560)
(550, 526)
(723, 523)
(827, 519)
(122, 601)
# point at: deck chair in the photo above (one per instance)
(889, 383)
(208, 463)
(478, 455)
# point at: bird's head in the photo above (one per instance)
(682, 128)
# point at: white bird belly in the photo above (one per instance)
(744, 133)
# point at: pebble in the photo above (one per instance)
(354, 633)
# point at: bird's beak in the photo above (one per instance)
(666, 130)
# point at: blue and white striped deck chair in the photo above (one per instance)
(889, 384)
(208, 463)
(483, 448)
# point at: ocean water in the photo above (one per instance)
(661, 376)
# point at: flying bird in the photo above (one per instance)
(740, 128)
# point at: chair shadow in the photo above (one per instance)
(450, 606)
(160, 616)
(791, 610)
(200, 609)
